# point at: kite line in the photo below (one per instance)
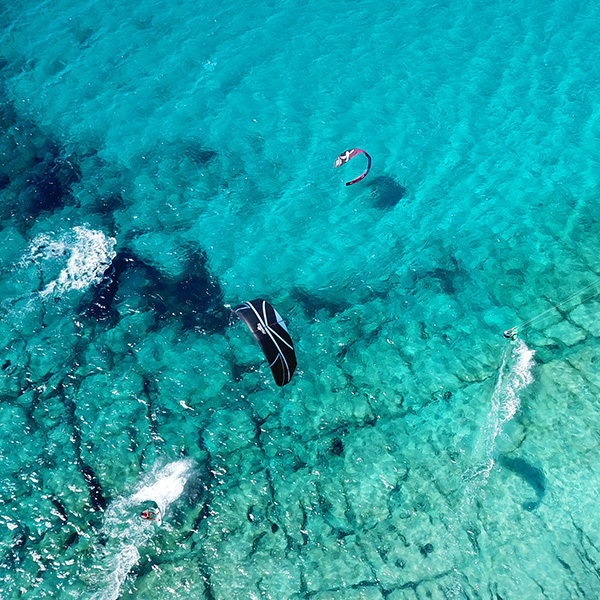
(513, 332)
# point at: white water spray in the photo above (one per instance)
(83, 255)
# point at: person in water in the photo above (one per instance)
(150, 515)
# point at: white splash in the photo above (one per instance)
(126, 531)
(83, 255)
(167, 488)
(514, 375)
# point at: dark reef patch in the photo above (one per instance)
(96, 497)
(38, 169)
(100, 307)
(71, 540)
(62, 512)
(195, 298)
(386, 192)
(337, 447)
(107, 205)
(446, 279)
(49, 182)
(16, 551)
(238, 370)
(198, 155)
(297, 464)
(312, 304)
(449, 277)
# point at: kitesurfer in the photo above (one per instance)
(511, 334)
(152, 515)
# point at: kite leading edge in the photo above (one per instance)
(272, 335)
(344, 157)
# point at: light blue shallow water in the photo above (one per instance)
(415, 454)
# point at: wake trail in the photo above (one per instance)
(514, 375)
(126, 532)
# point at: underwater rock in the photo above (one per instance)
(447, 277)
(96, 497)
(312, 304)
(62, 512)
(565, 333)
(586, 316)
(100, 307)
(72, 539)
(106, 205)
(297, 464)
(49, 182)
(16, 551)
(195, 298)
(447, 585)
(337, 447)
(198, 155)
(38, 169)
(238, 370)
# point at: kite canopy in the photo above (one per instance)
(344, 157)
(272, 335)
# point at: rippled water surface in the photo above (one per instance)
(162, 162)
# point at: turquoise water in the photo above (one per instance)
(416, 453)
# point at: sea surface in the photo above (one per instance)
(162, 162)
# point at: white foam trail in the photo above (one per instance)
(513, 377)
(126, 531)
(85, 254)
(166, 489)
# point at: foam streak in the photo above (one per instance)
(514, 375)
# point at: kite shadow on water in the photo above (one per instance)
(532, 475)
(386, 192)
